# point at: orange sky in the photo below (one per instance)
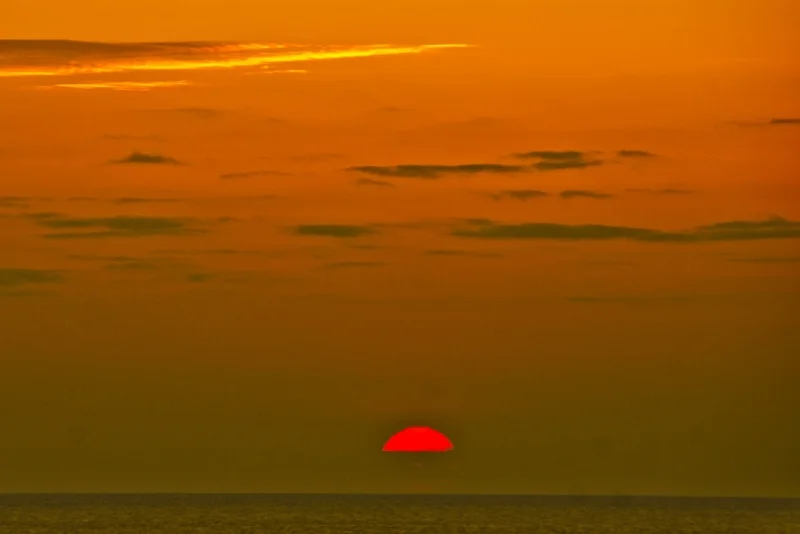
(565, 233)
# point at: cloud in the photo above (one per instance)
(772, 228)
(556, 160)
(375, 183)
(784, 121)
(38, 58)
(252, 174)
(429, 172)
(583, 193)
(118, 86)
(552, 155)
(119, 226)
(14, 202)
(549, 160)
(22, 277)
(665, 191)
(491, 230)
(518, 194)
(635, 154)
(333, 230)
(354, 264)
(548, 165)
(147, 159)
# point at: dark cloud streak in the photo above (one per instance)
(584, 193)
(146, 159)
(772, 228)
(333, 230)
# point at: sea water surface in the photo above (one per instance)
(390, 514)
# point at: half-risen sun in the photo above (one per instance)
(418, 439)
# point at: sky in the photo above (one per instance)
(245, 244)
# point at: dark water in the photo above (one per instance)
(384, 514)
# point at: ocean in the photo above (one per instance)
(391, 514)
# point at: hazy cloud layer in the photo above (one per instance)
(374, 183)
(583, 193)
(119, 226)
(518, 194)
(555, 160)
(429, 172)
(333, 230)
(549, 160)
(664, 191)
(552, 155)
(22, 277)
(146, 159)
(14, 202)
(635, 154)
(784, 121)
(773, 228)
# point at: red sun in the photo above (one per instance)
(418, 439)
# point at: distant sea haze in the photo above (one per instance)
(391, 514)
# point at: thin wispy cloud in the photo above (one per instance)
(635, 154)
(145, 158)
(548, 160)
(14, 202)
(664, 191)
(373, 183)
(36, 58)
(21, 277)
(118, 86)
(584, 193)
(785, 121)
(556, 160)
(771, 228)
(333, 230)
(66, 227)
(552, 155)
(430, 172)
(775, 121)
(518, 194)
